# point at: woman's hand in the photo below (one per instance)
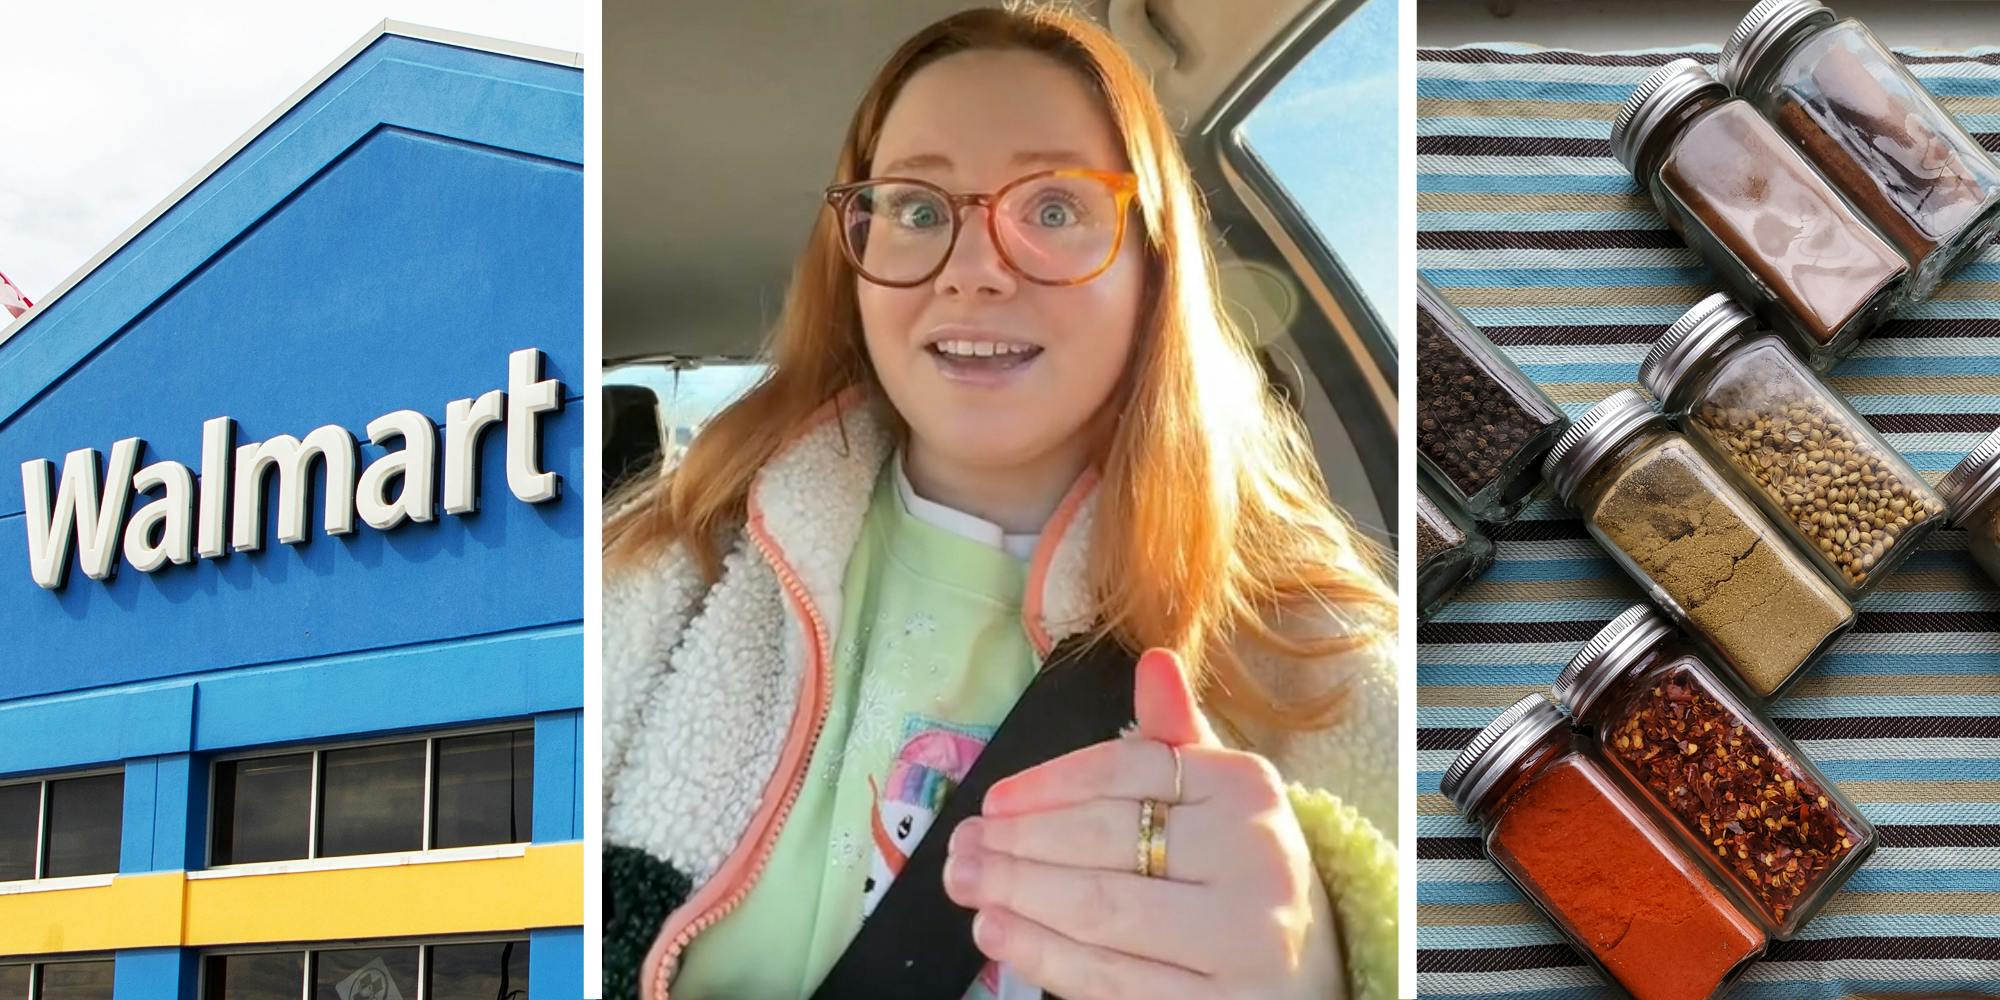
(1051, 868)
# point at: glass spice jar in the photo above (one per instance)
(1773, 229)
(1792, 443)
(1848, 103)
(1970, 488)
(1704, 552)
(1617, 885)
(1732, 786)
(1450, 550)
(1482, 426)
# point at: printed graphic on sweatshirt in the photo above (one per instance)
(932, 761)
(930, 764)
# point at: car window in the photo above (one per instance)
(1327, 133)
(690, 393)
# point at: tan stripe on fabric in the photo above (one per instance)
(1496, 696)
(1459, 201)
(1964, 291)
(1967, 904)
(1449, 107)
(1891, 685)
(1592, 588)
(1478, 915)
(1927, 581)
(1433, 804)
(1918, 791)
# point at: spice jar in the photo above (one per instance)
(1450, 550)
(1970, 488)
(1882, 140)
(1703, 551)
(1773, 229)
(1793, 444)
(1597, 864)
(1482, 426)
(1733, 788)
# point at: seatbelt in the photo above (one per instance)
(917, 945)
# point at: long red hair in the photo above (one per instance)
(1214, 523)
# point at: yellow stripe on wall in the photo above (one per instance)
(541, 888)
(134, 911)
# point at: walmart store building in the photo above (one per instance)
(291, 656)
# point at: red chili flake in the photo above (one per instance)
(1770, 826)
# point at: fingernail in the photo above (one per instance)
(967, 835)
(985, 932)
(961, 872)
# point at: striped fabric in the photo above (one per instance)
(1528, 225)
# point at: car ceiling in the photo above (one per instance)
(722, 121)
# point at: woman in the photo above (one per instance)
(994, 423)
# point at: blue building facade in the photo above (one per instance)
(291, 589)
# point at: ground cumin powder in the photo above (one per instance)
(1763, 607)
(1645, 912)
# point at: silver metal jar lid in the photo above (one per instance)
(1656, 97)
(1686, 345)
(1606, 655)
(1759, 33)
(1974, 480)
(1497, 747)
(1619, 416)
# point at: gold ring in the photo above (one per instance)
(1156, 843)
(1176, 751)
(1146, 807)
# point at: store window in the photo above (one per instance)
(412, 794)
(485, 789)
(445, 970)
(279, 976)
(484, 970)
(88, 980)
(57, 827)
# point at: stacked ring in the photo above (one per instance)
(1145, 835)
(1156, 842)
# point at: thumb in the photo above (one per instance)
(1163, 703)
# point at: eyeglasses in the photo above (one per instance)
(1056, 227)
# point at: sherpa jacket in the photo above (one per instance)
(714, 696)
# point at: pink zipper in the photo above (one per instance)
(764, 839)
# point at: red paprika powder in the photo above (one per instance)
(1611, 880)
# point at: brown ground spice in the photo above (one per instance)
(1767, 207)
(1762, 605)
(1880, 149)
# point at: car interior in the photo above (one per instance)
(712, 196)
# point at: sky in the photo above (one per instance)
(109, 107)
(1328, 132)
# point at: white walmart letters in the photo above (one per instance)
(189, 521)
